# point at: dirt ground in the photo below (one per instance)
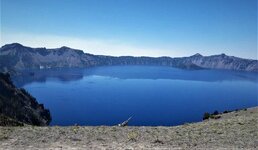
(235, 130)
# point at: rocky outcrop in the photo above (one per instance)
(18, 57)
(19, 105)
(7, 121)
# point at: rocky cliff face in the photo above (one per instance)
(17, 57)
(19, 105)
(223, 61)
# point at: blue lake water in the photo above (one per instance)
(151, 95)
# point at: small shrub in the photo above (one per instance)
(158, 141)
(217, 117)
(215, 112)
(206, 116)
(225, 112)
(132, 136)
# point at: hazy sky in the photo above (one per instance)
(134, 27)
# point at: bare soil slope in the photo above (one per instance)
(235, 130)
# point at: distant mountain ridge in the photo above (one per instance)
(18, 57)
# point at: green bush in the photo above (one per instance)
(215, 112)
(225, 112)
(206, 116)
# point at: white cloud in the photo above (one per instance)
(88, 45)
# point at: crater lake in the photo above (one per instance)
(151, 95)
